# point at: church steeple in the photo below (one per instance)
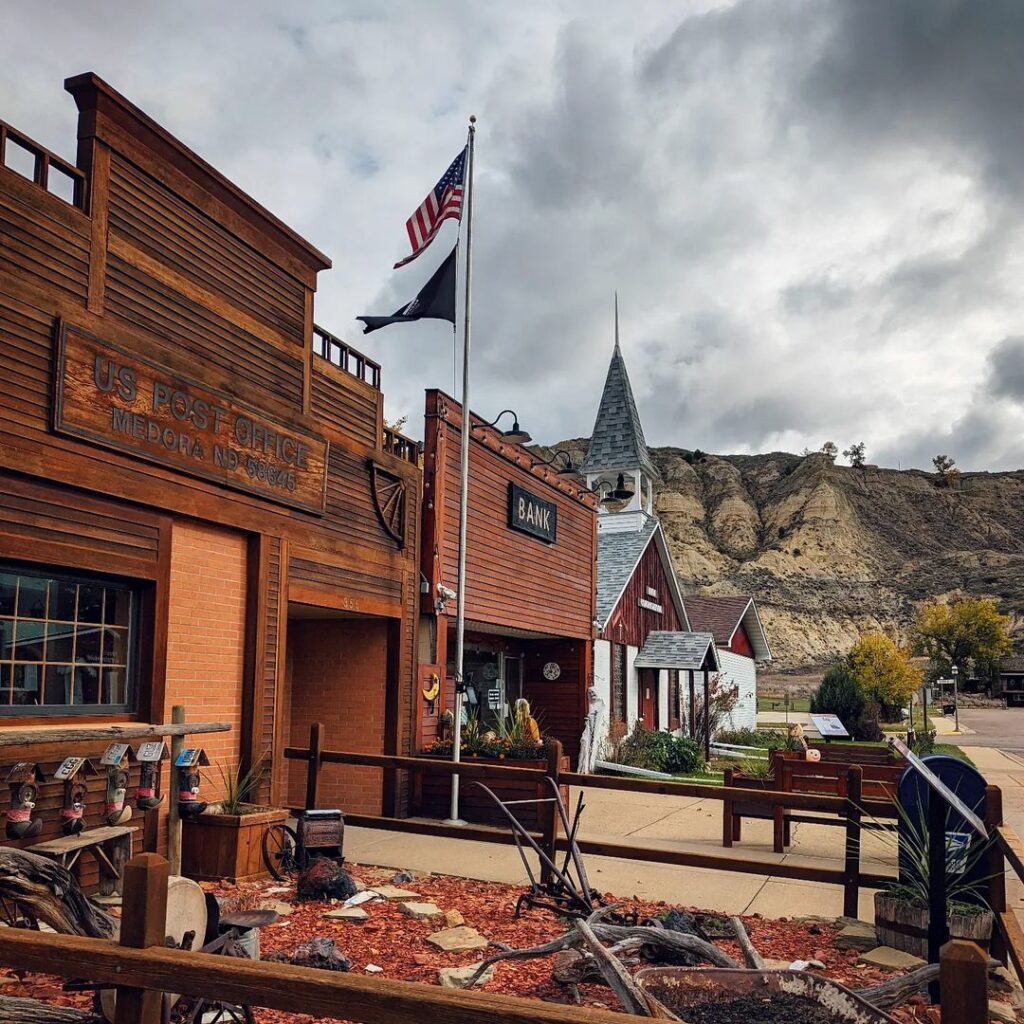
(617, 443)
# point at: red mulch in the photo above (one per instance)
(395, 943)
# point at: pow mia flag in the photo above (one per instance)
(435, 301)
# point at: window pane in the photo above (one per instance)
(60, 641)
(90, 603)
(88, 643)
(6, 639)
(32, 597)
(28, 640)
(118, 607)
(5, 684)
(58, 684)
(115, 646)
(26, 684)
(62, 601)
(8, 587)
(115, 686)
(87, 685)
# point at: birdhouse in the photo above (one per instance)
(187, 765)
(150, 755)
(117, 759)
(73, 772)
(24, 780)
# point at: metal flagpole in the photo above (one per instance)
(460, 616)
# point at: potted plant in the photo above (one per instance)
(901, 909)
(224, 841)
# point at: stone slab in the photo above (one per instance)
(392, 892)
(420, 911)
(859, 936)
(347, 914)
(890, 959)
(458, 977)
(458, 940)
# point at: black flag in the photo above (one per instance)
(436, 300)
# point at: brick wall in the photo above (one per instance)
(336, 675)
(206, 637)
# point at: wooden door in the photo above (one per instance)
(648, 687)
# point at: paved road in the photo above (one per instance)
(994, 727)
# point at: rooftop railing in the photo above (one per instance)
(400, 446)
(336, 352)
(20, 154)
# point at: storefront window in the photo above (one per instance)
(66, 645)
(618, 683)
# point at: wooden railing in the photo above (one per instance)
(338, 353)
(38, 164)
(400, 446)
(849, 876)
(1008, 940)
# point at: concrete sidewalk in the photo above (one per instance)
(672, 823)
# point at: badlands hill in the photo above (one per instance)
(831, 551)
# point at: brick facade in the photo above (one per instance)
(334, 672)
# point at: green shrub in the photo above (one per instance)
(755, 769)
(764, 740)
(660, 751)
(685, 756)
(839, 694)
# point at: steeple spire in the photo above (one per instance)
(617, 442)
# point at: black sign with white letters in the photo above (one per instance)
(530, 514)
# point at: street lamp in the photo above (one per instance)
(514, 436)
(956, 701)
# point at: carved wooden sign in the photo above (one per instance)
(532, 515)
(127, 402)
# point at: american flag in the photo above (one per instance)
(443, 201)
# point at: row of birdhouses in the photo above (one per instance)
(25, 778)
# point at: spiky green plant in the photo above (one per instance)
(239, 785)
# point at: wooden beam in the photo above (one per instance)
(963, 979)
(130, 731)
(280, 986)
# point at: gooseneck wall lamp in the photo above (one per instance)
(514, 436)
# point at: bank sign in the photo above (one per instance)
(530, 514)
(118, 399)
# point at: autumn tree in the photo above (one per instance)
(970, 629)
(856, 453)
(883, 671)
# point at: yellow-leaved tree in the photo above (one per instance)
(883, 671)
(968, 629)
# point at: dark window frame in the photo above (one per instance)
(133, 651)
(619, 683)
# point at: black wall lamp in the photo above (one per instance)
(514, 436)
(570, 469)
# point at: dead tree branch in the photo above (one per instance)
(750, 955)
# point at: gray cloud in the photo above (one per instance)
(812, 210)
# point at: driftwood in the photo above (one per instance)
(49, 893)
(899, 990)
(31, 1011)
(750, 955)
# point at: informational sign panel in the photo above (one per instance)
(829, 727)
(123, 401)
(530, 514)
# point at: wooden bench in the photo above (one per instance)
(856, 753)
(793, 774)
(110, 847)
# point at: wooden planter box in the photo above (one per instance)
(905, 927)
(227, 846)
(750, 808)
(476, 806)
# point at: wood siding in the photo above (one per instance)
(559, 706)
(347, 404)
(630, 623)
(740, 643)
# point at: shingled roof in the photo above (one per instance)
(618, 439)
(721, 616)
(670, 649)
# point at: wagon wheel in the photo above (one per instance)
(389, 502)
(280, 845)
(14, 916)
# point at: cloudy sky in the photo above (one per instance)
(811, 209)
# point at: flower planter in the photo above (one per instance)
(905, 926)
(218, 846)
(476, 806)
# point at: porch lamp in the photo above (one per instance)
(570, 469)
(514, 436)
(954, 671)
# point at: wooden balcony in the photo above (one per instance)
(20, 154)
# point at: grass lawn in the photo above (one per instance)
(940, 748)
(770, 702)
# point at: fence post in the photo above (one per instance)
(727, 823)
(549, 812)
(779, 810)
(963, 978)
(173, 818)
(851, 868)
(995, 869)
(313, 765)
(143, 924)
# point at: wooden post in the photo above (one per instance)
(938, 926)
(173, 818)
(995, 869)
(549, 812)
(963, 979)
(727, 808)
(316, 731)
(779, 811)
(707, 718)
(851, 868)
(143, 924)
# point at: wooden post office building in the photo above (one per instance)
(530, 580)
(198, 502)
